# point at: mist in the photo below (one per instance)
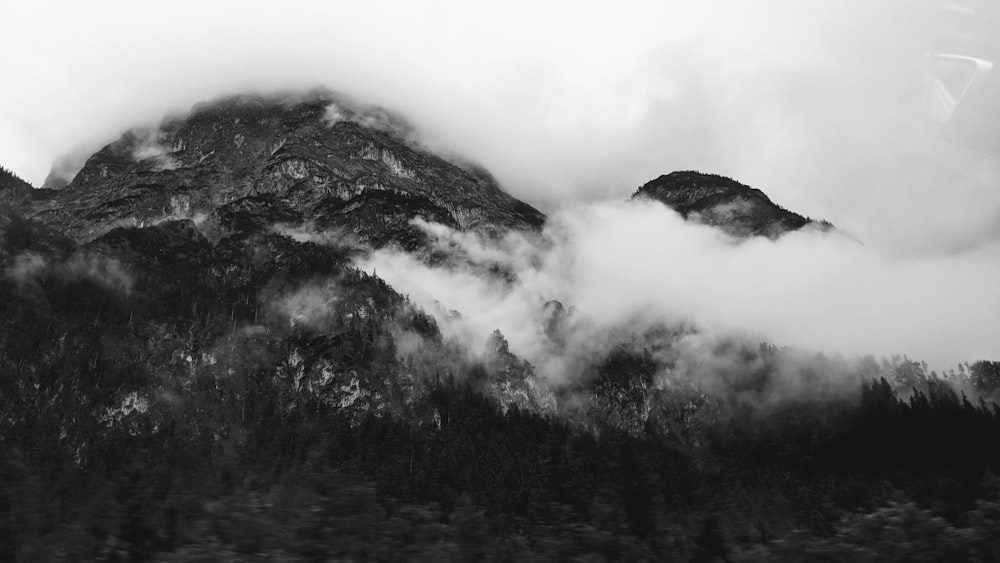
(629, 267)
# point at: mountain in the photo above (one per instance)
(192, 367)
(317, 158)
(217, 252)
(722, 202)
(218, 248)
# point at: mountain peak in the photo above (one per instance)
(324, 157)
(722, 202)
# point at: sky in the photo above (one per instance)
(568, 103)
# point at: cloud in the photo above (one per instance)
(66, 166)
(628, 267)
(308, 232)
(27, 267)
(333, 115)
(311, 305)
(103, 270)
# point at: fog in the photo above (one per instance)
(627, 267)
(572, 105)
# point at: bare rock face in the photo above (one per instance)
(318, 158)
(722, 202)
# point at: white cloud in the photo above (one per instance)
(310, 304)
(625, 267)
(25, 268)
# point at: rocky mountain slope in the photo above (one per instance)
(221, 245)
(317, 158)
(722, 202)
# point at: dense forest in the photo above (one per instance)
(164, 397)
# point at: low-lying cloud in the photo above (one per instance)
(26, 268)
(310, 304)
(627, 267)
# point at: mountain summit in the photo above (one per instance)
(248, 160)
(722, 202)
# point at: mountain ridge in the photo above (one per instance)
(321, 156)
